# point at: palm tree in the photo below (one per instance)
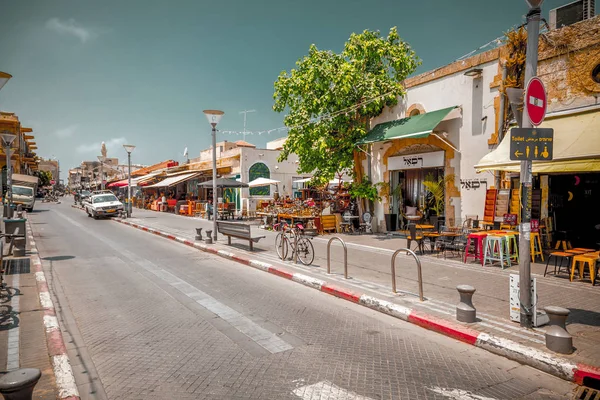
(437, 189)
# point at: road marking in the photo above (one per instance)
(64, 377)
(12, 358)
(458, 394)
(326, 390)
(263, 337)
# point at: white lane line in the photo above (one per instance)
(458, 394)
(12, 359)
(326, 390)
(263, 337)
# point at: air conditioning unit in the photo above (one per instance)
(572, 13)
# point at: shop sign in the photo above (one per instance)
(533, 144)
(416, 161)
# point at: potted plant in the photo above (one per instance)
(436, 195)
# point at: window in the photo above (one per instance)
(259, 170)
(104, 199)
(596, 74)
(22, 191)
(296, 193)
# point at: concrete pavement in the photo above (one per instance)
(369, 268)
(153, 319)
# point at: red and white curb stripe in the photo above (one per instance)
(547, 362)
(65, 380)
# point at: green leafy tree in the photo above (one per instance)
(44, 176)
(324, 84)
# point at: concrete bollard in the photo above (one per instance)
(557, 337)
(465, 311)
(19, 384)
(198, 234)
(19, 245)
(208, 239)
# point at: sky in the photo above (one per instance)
(141, 71)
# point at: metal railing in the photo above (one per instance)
(420, 276)
(345, 256)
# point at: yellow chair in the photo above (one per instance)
(583, 260)
(536, 246)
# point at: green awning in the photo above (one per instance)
(418, 126)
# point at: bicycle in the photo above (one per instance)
(293, 237)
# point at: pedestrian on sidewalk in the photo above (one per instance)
(163, 203)
(209, 209)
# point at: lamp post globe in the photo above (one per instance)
(7, 140)
(534, 3)
(128, 148)
(213, 117)
(4, 77)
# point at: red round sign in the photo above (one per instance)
(535, 101)
(52, 182)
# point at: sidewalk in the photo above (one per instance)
(369, 259)
(22, 334)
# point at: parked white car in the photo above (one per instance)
(102, 205)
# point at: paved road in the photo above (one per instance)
(151, 319)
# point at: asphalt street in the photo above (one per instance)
(147, 318)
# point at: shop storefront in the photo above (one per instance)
(566, 190)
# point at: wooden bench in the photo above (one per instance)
(237, 230)
(328, 223)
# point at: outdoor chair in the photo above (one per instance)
(416, 235)
(365, 226)
(346, 226)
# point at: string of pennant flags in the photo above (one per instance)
(324, 117)
(492, 43)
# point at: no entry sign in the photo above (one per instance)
(52, 182)
(535, 101)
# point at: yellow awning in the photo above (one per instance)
(576, 147)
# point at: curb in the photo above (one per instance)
(544, 361)
(63, 373)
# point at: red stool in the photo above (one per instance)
(478, 238)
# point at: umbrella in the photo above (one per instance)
(223, 183)
(303, 180)
(262, 182)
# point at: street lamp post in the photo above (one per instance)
(7, 140)
(214, 116)
(128, 148)
(4, 77)
(531, 61)
(101, 159)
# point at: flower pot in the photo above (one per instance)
(391, 221)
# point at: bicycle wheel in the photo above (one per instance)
(281, 245)
(306, 251)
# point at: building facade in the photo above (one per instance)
(455, 116)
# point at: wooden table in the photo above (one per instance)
(425, 227)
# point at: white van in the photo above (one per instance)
(23, 195)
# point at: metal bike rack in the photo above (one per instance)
(345, 256)
(418, 270)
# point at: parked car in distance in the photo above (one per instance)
(23, 195)
(83, 196)
(102, 205)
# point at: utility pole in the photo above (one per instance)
(245, 112)
(533, 30)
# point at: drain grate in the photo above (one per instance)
(586, 393)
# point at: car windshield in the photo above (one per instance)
(104, 199)
(23, 191)
(85, 193)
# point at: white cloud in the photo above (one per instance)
(70, 27)
(66, 132)
(113, 145)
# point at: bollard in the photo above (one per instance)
(208, 240)
(19, 245)
(465, 311)
(19, 384)
(199, 234)
(557, 337)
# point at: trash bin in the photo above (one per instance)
(11, 225)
